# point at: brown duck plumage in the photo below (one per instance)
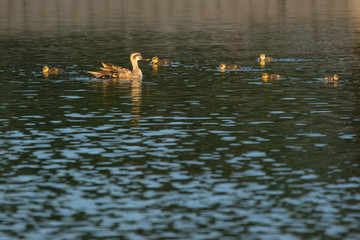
(123, 73)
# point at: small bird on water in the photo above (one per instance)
(156, 62)
(263, 57)
(51, 71)
(335, 78)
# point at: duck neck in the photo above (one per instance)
(136, 70)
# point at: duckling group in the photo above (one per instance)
(112, 71)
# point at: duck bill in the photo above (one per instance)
(145, 59)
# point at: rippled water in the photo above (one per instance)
(190, 152)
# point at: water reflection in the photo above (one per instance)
(155, 69)
(136, 91)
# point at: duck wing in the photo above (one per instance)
(102, 74)
(112, 67)
(122, 72)
(108, 65)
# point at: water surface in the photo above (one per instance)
(189, 152)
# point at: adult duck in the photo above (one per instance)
(124, 73)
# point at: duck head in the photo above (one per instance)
(136, 56)
(154, 60)
(265, 76)
(262, 57)
(45, 69)
(222, 66)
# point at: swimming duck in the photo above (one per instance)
(335, 78)
(156, 61)
(266, 76)
(263, 58)
(123, 72)
(104, 74)
(51, 71)
(223, 67)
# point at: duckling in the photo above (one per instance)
(104, 74)
(51, 71)
(124, 73)
(335, 78)
(263, 58)
(266, 76)
(115, 75)
(223, 67)
(155, 61)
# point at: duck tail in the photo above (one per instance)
(107, 69)
(96, 74)
(107, 65)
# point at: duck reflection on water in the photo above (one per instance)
(113, 88)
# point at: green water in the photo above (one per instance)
(189, 152)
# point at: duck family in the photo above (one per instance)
(111, 71)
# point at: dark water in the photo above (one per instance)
(189, 152)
